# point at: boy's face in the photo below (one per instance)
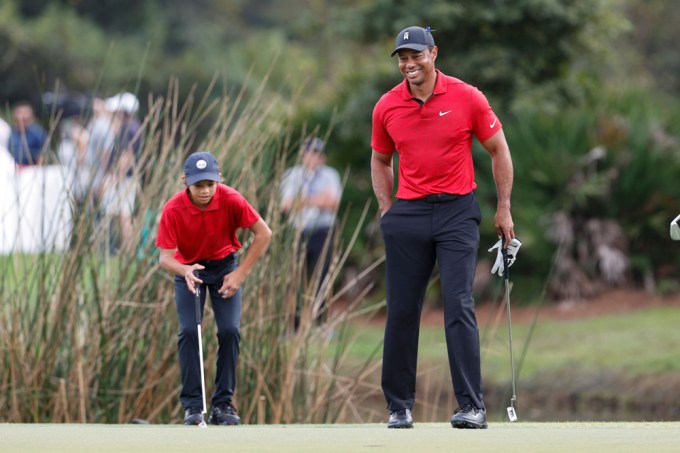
(202, 192)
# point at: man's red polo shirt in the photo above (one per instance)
(204, 234)
(434, 140)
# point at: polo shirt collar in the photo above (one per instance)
(440, 86)
(195, 210)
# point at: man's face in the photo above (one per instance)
(417, 66)
(312, 159)
(202, 192)
(22, 116)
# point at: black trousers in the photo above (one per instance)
(228, 319)
(317, 244)
(417, 234)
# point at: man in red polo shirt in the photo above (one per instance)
(197, 231)
(430, 119)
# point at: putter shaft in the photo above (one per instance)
(197, 300)
(506, 278)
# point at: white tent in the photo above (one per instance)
(35, 213)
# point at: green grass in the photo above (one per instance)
(430, 437)
(639, 343)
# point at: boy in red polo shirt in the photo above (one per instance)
(197, 231)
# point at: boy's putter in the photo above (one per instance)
(197, 300)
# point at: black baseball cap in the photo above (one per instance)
(415, 38)
(201, 166)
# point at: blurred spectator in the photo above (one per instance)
(120, 181)
(5, 131)
(7, 164)
(100, 140)
(65, 104)
(72, 153)
(123, 108)
(28, 138)
(310, 194)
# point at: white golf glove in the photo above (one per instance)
(513, 248)
(675, 229)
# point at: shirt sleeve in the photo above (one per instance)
(166, 237)
(334, 182)
(289, 185)
(485, 123)
(246, 216)
(380, 138)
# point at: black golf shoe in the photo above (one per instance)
(400, 419)
(224, 414)
(469, 417)
(193, 416)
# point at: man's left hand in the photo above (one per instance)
(512, 249)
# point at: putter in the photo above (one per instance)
(512, 413)
(197, 300)
(675, 229)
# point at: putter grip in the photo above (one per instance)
(506, 270)
(197, 300)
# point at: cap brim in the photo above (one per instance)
(193, 179)
(416, 47)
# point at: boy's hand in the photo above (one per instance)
(232, 282)
(192, 279)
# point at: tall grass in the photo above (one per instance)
(89, 334)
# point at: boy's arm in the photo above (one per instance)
(168, 262)
(261, 236)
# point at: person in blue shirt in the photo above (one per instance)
(28, 138)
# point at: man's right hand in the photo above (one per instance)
(384, 209)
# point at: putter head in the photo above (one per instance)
(675, 229)
(202, 424)
(512, 414)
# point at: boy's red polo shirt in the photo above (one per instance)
(434, 140)
(204, 234)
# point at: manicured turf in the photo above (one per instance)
(426, 437)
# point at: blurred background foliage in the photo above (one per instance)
(587, 92)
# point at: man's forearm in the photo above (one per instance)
(503, 178)
(382, 178)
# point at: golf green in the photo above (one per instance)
(426, 437)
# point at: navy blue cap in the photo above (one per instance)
(415, 38)
(201, 166)
(313, 144)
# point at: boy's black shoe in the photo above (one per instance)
(193, 416)
(224, 414)
(469, 417)
(400, 419)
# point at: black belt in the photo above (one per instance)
(209, 263)
(441, 197)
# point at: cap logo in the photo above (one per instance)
(405, 35)
(201, 164)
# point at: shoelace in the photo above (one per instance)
(227, 408)
(467, 408)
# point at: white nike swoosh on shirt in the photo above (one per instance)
(444, 113)
(493, 124)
